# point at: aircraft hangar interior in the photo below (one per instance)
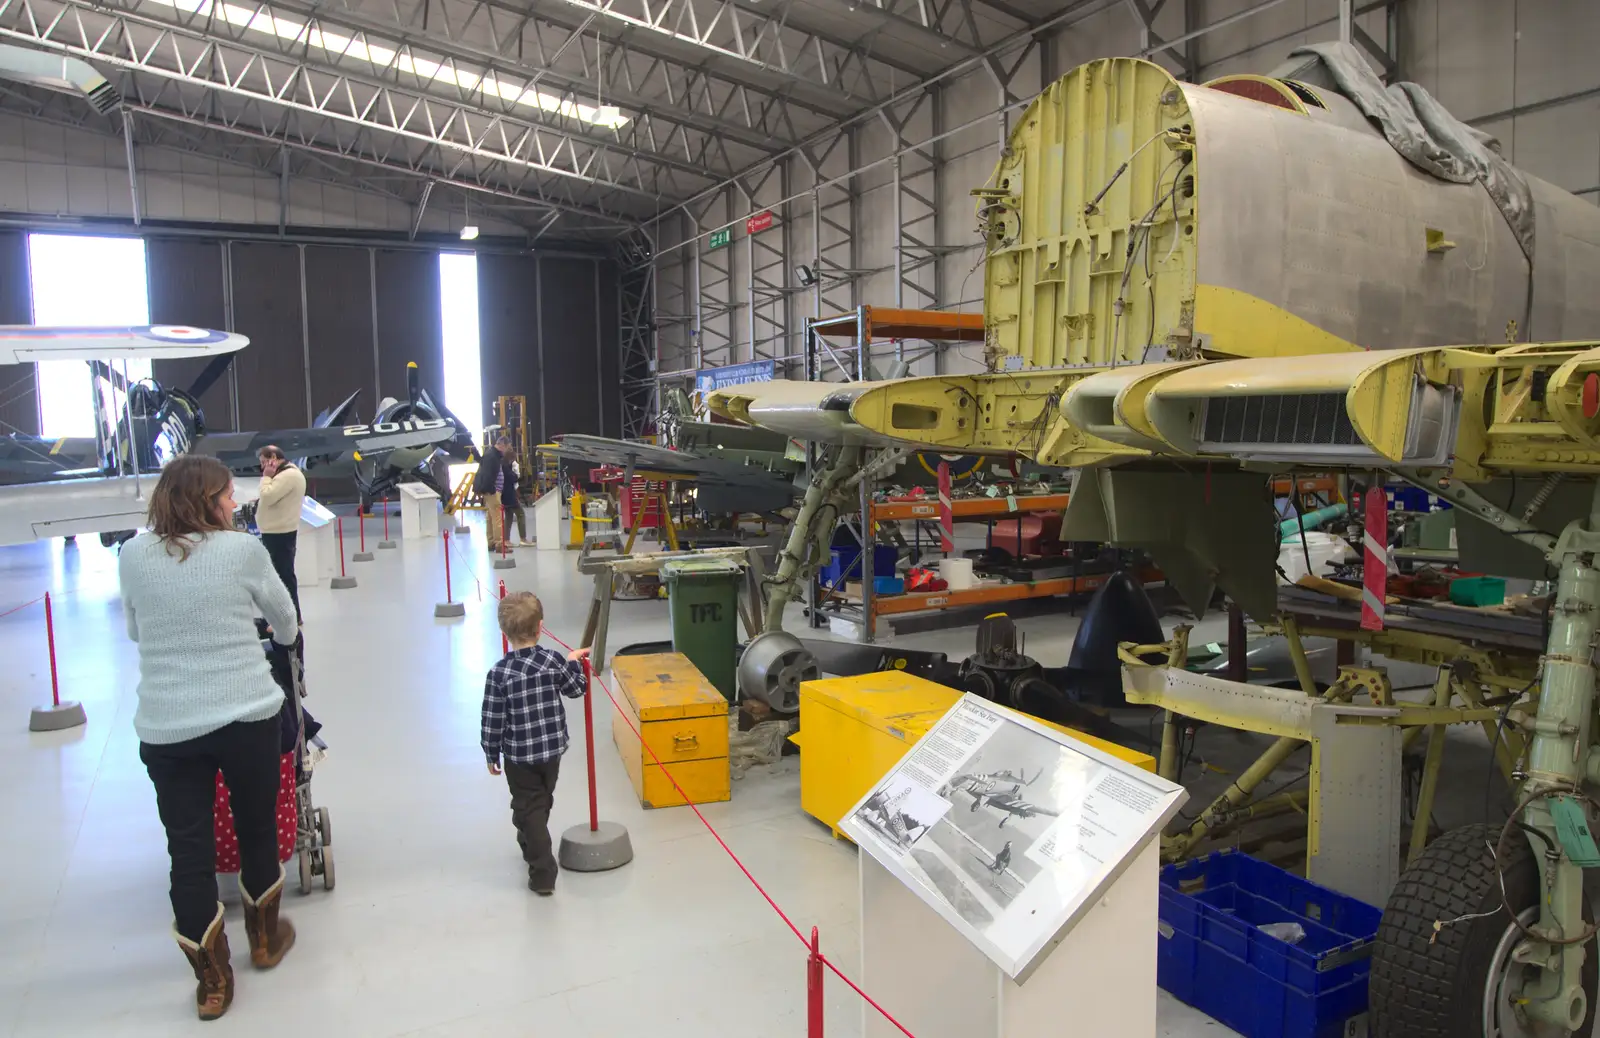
(938, 518)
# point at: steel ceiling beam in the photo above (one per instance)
(524, 62)
(769, 42)
(365, 103)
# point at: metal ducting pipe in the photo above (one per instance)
(56, 72)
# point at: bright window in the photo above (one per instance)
(458, 315)
(83, 281)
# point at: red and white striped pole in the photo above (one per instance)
(1375, 565)
(947, 522)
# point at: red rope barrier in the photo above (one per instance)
(827, 962)
(24, 605)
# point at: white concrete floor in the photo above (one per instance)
(431, 930)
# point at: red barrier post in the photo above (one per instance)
(505, 643)
(385, 518)
(361, 518)
(814, 978)
(588, 741)
(505, 534)
(447, 597)
(50, 636)
(339, 529)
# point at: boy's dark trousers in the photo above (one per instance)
(533, 789)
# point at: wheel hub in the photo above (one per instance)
(1502, 989)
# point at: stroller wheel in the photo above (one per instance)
(325, 826)
(305, 871)
(327, 870)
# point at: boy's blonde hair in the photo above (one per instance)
(521, 614)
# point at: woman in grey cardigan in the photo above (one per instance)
(191, 589)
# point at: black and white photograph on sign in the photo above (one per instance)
(901, 812)
(1008, 789)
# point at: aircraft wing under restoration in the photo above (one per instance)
(25, 344)
(69, 507)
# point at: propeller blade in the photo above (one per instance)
(413, 383)
(208, 376)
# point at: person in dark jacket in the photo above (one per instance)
(490, 485)
(511, 500)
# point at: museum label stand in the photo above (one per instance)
(1009, 884)
(419, 512)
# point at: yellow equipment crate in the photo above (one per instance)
(853, 730)
(683, 720)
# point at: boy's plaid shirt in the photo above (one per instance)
(524, 720)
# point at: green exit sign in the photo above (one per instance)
(720, 238)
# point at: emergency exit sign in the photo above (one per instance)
(719, 238)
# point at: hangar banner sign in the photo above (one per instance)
(707, 379)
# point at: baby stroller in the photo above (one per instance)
(304, 830)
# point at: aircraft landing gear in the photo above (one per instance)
(1450, 957)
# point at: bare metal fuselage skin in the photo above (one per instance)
(1134, 217)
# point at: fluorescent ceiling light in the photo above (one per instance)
(469, 232)
(265, 20)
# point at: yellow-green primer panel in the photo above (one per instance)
(1058, 259)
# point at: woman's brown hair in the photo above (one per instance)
(184, 501)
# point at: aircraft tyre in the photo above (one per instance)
(1459, 981)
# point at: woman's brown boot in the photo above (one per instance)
(271, 936)
(213, 992)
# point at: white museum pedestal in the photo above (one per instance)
(547, 520)
(419, 512)
(1100, 980)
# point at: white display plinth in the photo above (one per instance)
(1100, 980)
(419, 512)
(316, 556)
(547, 520)
(1009, 883)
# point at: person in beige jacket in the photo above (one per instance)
(283, 487)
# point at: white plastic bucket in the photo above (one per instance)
(957, 573)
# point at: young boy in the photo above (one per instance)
(525, 723)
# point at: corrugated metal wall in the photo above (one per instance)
(319, 331)
(325, 320)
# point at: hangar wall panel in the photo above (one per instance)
(508, 333)
(19, 395)
(186, 278)
(268, 307)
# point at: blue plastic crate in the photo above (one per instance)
(846, 564)
(1214, 956)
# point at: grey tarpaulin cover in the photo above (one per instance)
(1419, 128)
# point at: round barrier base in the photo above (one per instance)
(342, 583)
(504, 562)
(57, 718)
(361, 556)
(387, 545)
(462, 531)
(595, 850)
(450, 609)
